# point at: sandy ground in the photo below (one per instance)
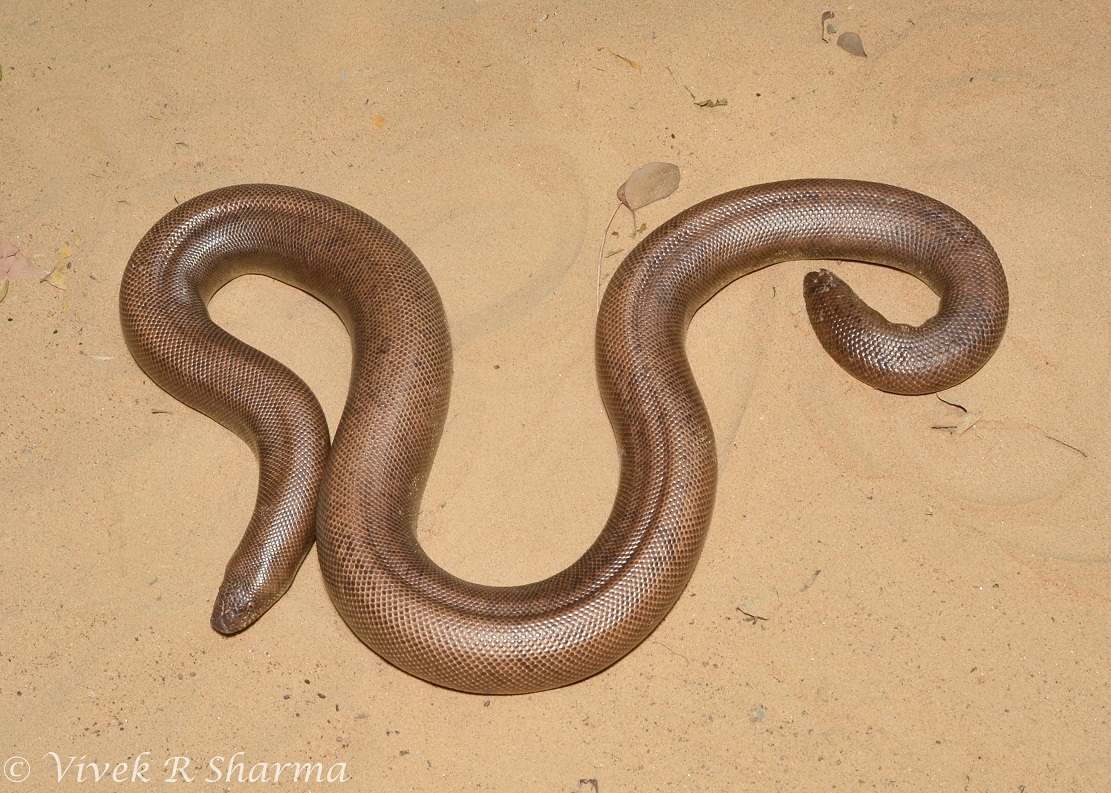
(933, 603)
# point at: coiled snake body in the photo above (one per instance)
(360, 497)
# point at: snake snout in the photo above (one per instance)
(241, 601)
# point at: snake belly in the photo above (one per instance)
(359, 496)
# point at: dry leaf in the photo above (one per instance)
(850, 42)
(649, 183)
(712, 102)
(57, 277)
(13, 263)
(646, 184)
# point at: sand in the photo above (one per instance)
(929, 583)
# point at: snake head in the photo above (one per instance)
(245, 595)
(235, 610)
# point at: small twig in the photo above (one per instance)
(1081, 452)
(601, 250)
(951, 404)
(633, 64)
(969, 421)
(674, 652)
(684, 86)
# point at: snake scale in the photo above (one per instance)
(359, 495)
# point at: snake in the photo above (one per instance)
(358, 496)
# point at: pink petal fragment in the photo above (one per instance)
(13, 263)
